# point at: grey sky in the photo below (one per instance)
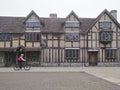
(83, 8)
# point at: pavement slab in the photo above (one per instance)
(111, 74)
(53, 81)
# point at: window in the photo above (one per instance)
(33, 56)
(72, 37)
(74, 24)
(72, 53)
(105, 25)
(106, 36)
(111, 53)
(32, 24)
(33, 36)
(5, 36)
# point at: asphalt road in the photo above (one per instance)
(53, 81)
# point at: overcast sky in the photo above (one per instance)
(83, 8)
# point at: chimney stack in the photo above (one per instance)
(53, 15)
(114, 13)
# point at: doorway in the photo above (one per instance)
(93, 58)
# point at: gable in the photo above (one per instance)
(105, 16)
(106, 21)
(33, 18)
(72, 17)
(72, 21)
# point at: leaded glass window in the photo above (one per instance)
(74, 24)
(106, 36)
(72, 37)
(111, 53)
(33, 36)
(5, 36)
(32, 24)
(33, 56)
(105, 25)
(72, 53)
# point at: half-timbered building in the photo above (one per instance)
(57, 41)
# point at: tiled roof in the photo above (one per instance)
(86, 23)
(53, 24)
(16, 24)
(12, 24)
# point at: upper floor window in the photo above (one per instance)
(33, 36)
(5, 36)
(72, 37)
(105, 25)
(106, 36)
(74, 24)
(32, 24)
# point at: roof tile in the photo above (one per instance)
(16, 24)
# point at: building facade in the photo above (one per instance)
(57, 41)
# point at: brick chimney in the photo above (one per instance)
(53, 15)
(114, 13)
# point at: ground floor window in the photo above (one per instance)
(71, 53)
(32, 56)
(111, 53)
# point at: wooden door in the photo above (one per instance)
(93, 58)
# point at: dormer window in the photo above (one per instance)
(33, 20)
(105, 25)
(74, 24)
(32, 24)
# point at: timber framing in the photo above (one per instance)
(53, 41)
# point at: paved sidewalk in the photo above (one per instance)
(111, 74)
(53, 81)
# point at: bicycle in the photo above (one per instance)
(24, 65)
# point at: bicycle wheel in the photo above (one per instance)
(27, 67)
(16, 67)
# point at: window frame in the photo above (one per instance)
(32, 24)
(72, 24)
(106, 36)
(72, 37)
(72, 53)
(33, 56)
(111, 53)
(33, 36)
(5, 36)
(105, 22)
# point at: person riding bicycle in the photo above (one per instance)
(20, 60)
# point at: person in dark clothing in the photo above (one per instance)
(20, 60)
